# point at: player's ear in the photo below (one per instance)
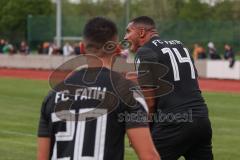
(142, 33)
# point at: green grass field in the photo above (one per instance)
(20, 105)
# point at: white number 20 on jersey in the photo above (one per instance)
(68, 135)
(181, 59)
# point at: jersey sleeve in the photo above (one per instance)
(134, 110)
(138, 112)
(146, 62)
(44, 128)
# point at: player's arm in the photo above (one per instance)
(149, 95)
(146, 62)
(138, 128)
(150, 74)
(142, 143)
(43, 150)
(44, 140)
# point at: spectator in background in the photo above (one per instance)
(77, 50)
(212, 51)
(67, 49)
(229, 55)
(8, 48)
(45, 47)
(199, 52)
(40, 48)
(24, 49)
(53, 49)
(2, 44)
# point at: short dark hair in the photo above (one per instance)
(99, 30)
(144, 20)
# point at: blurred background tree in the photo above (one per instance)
(14, 14)
(173, 17)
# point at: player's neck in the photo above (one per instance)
(149, 37)
(153, 34)
(99, 62)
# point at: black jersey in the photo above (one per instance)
(85, 116)
(169, 66)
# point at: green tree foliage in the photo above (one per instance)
(157, 9)
(14, 13)
(194, 10)
(176, 15)
(227, 10)
(236, 10)
(223, 11)
(109, 8)
(77, 14)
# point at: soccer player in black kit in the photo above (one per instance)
(168, 77)
(83, 118)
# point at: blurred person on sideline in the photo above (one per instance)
(53, 49)
(45, 47)
(8, 48)
(24, 48)
(40, 48)
(67, 49)
(212, 51)
(229, 55)
(94, 130)
(2, 44)
(168, 78)
(199, 52)
(77, 50)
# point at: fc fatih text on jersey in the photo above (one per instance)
(97, 93)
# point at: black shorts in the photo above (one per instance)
(192, 140)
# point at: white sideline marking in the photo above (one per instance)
(18, 133)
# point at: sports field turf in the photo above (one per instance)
(20, 102)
